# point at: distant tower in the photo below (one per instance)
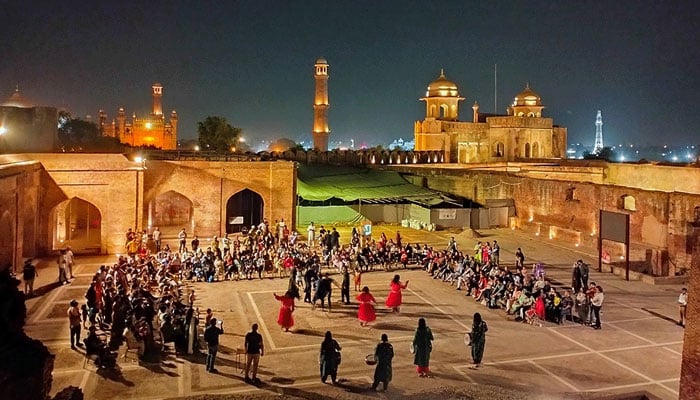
(157, 96)
(321, 131)
(598, 146)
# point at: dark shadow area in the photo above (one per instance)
(114, 374)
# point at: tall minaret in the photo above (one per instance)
(157, 96)
(598, 146)
(321, 131)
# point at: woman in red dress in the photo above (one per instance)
(285, 319)
(366, 312)
(393, 301)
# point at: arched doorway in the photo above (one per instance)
(78, 224)
(170, 212)
(244, 208)
(527, 150)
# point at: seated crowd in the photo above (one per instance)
(522, 292)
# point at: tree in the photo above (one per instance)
(75, 134)
(216, 134)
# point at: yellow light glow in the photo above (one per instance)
(148, 125)
(196, 148)
(138, 159)
(3, 130)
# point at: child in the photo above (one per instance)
(358, 278)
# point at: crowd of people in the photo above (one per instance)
(523, 292)
(139, 299)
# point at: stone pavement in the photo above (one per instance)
(638, 349)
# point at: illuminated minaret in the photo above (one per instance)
(157, 96)
(598, 146)
(321, 131)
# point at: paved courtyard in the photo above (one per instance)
(638, 349)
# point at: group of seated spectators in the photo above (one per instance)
(520, 291)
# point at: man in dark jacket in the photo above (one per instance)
(211, 336)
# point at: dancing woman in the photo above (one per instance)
(285, 319)
(366, 312)
(394, 299)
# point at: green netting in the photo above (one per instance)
(327, 215)
(322, 183)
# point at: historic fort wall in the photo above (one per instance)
(39, 189)
(563, 202)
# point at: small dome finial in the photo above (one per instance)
(442, 72)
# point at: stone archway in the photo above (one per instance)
(245, 208)
(76, 223)
(170, 212)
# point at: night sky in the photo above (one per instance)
(252, 62)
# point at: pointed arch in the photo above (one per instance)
(76, 223)
(171, 211)
(244, 208)
(527, 150)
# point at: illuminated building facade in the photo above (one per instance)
(520, 135)
(321, 131)
(152, 130)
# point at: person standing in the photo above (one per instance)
(583, 273)
(345, 287)
(422, 346)
(211, 336)
(29, 273)
(310, 234)
(495, 253)
(182, 236)
(596, 305)
(156, 239)
(254, 349)
(195, 243)
(576, 277)
(329, 358)
(384, 353)
(682, 306)
(70, 259)
(366, 312)
(479, 329)
(285, 318)
(394, 300)
(74, 321)
(519, 258)
(61, 261)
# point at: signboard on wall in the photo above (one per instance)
(235, 220)
(614, 226)
(450, 213)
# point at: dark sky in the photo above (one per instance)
(252, 61)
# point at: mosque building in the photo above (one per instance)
(25, 127)
(151, 130)
(521, 135)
